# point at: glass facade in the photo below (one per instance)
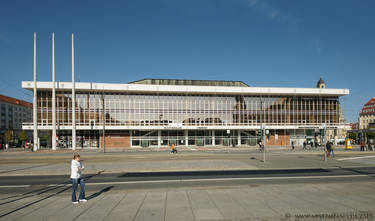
(144, 110)
(186, 119)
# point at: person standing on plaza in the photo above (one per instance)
(304, 144)
(173, 148)
(260, 146)
(362, 145)
(76, 177)
(331, 149)
(292, 145)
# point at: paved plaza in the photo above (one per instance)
(248, 202)
(52, 163)
(300, 186)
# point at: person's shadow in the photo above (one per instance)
(92, 196)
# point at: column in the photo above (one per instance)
(186, 138)
(239, 138)
(335, 135)
(35, 105)
(53, 95)
(74, 101)
(159, 138)
(213, 137)
(131, 138)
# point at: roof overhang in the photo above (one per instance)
(172, 89)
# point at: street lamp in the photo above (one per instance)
(262, 129)
(104, 119)
(324, 142)
(229, 140)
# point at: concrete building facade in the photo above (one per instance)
(13, 113)
(367, 114)
(159, 112)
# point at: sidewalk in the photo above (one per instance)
(58, 163)
(167, 149)
(318, 201)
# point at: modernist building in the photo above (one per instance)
(13, 113)
(157, 112)
(367, 114)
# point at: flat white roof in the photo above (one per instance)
(174, 89)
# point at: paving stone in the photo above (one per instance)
(203, 207)
(348, 198)
(15, 204)
(178, 206)
(336, 201)
(229, 207)
(288, 204)
(153, 207)
(26, 209)
(298, 201)
(101, 209)
(49, 209)
(72, 211)
(128, 206)
(255, 204)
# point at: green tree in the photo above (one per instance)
(9, 136)
(46, 137)
(352, 136)
(22, 136)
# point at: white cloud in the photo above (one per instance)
(269, 11)
(252, 2)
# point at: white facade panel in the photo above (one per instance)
(187, 89)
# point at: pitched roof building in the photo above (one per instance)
(367, 114)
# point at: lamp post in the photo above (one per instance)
(229, 140)
(262, 129)
(324, 142)
(104, 119)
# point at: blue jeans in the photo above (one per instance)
(75, 186)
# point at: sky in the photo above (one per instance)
(264, 43)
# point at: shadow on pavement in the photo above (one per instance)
(224, 173)
(99, 193)
(25, 168)
(64, 185)
(370, 171)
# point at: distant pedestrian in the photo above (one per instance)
(369, 145)
(173, 148)
(363, 145)
(329, 149)
(316, 144)
(260, 146)
(76, 176)
(304, 144)
(312, 144)
(292, 145)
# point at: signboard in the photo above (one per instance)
(174, 126)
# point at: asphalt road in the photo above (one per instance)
(151, 180)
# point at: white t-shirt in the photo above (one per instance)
(76, 169)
